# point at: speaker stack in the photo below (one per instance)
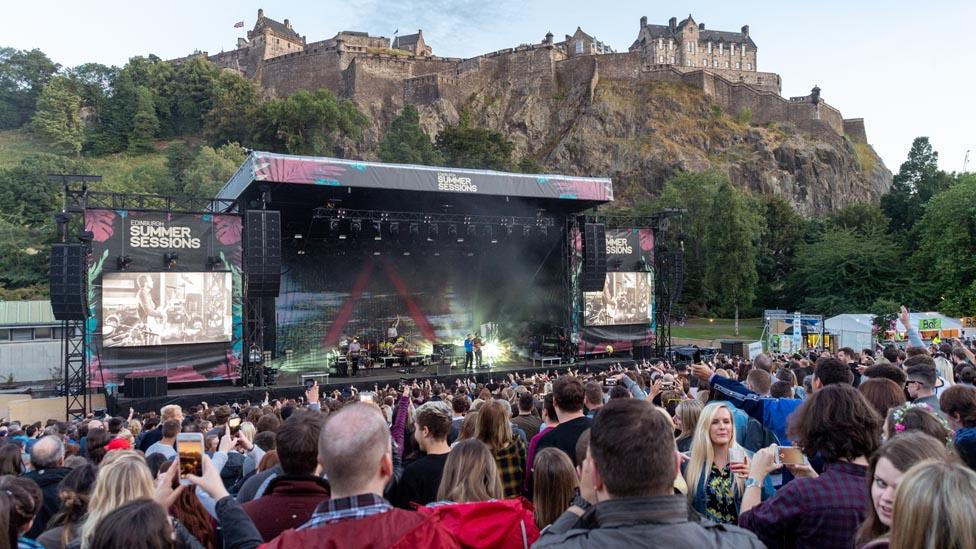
(262, 254)
(594, 257)
(68, 299)
(144, 386)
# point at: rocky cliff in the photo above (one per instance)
(640, 134)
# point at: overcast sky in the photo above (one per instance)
(905, 66)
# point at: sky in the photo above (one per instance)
(906, 67)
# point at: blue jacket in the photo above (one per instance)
(468, 346)
(773, 413)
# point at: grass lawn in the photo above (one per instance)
(750, 329)
(16, 144)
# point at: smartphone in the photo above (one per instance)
(366, 396)
(235, 425)
(190, 448)
(790, 455)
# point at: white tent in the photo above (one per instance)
(854, 330)
(851, 330)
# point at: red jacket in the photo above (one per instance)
(396, 528)
(288, 502)
(500, 523)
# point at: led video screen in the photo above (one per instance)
(627, 298)
(166, 308)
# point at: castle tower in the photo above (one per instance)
(690, 45)
(271, 38)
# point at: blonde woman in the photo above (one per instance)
(554, 487)
(718, 466)
(934, 507)
(470, 474)
(123, 476)
(685, 420)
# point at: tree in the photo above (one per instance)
(58, 116)
(844, 271)
(23, 74)
(179, 156)
(466, 146)
(211, 169)
(407, 143)
(194, 89)
(236, 105)
(862, 218)
(308, 123)
(530, 165)
(144, 122)
(918, 180)
(782, 230)
(945, 263)
(732, 234)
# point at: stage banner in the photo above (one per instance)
(165, 296)
(630, 250)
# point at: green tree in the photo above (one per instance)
(58, 116)
(23, 74)
(945, 263)
(692, 192)
(407, 143)
(179, 156)
(732, 231)
(144, 122)
(211, 169)
(862, 218)
(918, 180)
(466, 146)
(236, 104)
(845, 271)
(194, 89)
(530, 165)
(783, 228)
(308, 123)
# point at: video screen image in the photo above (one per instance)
(626, 298)
(166, 308)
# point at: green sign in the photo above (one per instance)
(929, 324)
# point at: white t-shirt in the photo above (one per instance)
(159, 448)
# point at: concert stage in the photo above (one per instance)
(291, 386)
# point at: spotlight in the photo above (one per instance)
(298, 236)
(526, 230)
(301, 252)
(378, 230)
(122, 262)
(170, 260)
(472, 230)
(394, 228)
(414, 229)
(356, 225)
(452, 232)
(432, 232)
(333, 225)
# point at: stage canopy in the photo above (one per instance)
(574, 193)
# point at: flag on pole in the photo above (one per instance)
(239, 25)
(395, 32)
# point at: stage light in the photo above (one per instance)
(333, 225)
(414, 229)
(122, 262)
(406, 253)
(170, 260)
(356, 225)
(298, 236)
(526, 230)
(395, 228)
(342, 237)
(301, 252)
(432, 232)
(509, 229)
(254, 355)
(376, 253)
(472, 230)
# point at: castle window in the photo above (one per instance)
(726, 64)
(660, 43)
(738, 66)
(579, 46)
(749, 66)
(709, 47)
(660, 59)
(690, 63)
(672, 60)
(732, 49)
(715, 63)
(721, 48)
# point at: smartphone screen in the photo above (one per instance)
(190, 448)
(235, 425)
(789, 455)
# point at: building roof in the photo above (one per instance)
(406, 40)
(708, 35)
(277, 28)
(26, 313)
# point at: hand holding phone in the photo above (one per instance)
(790, 455)
(189, 446)
(235, 425)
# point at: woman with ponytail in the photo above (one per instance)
(74, 492)
(20, 500)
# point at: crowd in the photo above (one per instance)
(855, 449)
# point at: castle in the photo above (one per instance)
(381, 74)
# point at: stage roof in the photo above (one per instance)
(260, 167)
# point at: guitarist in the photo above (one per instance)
(151, 317)
(476, 344)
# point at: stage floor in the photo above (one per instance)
(289, 384)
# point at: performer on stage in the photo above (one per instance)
(476, 344)
(468, 352)
(152, 319)
(352, 356)
(392, 331)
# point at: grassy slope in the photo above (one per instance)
(750, 329)
(120, 172)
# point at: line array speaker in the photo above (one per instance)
(262, 252)
(594, 257)
(68, 299)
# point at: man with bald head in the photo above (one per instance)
(356, 456)
(47, 462)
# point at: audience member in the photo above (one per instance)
(958, 403)
(934, 507)
(420, 480)
(494, 429)
(74, 492)
(883, 394)
(47, 471)
(555, 485)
